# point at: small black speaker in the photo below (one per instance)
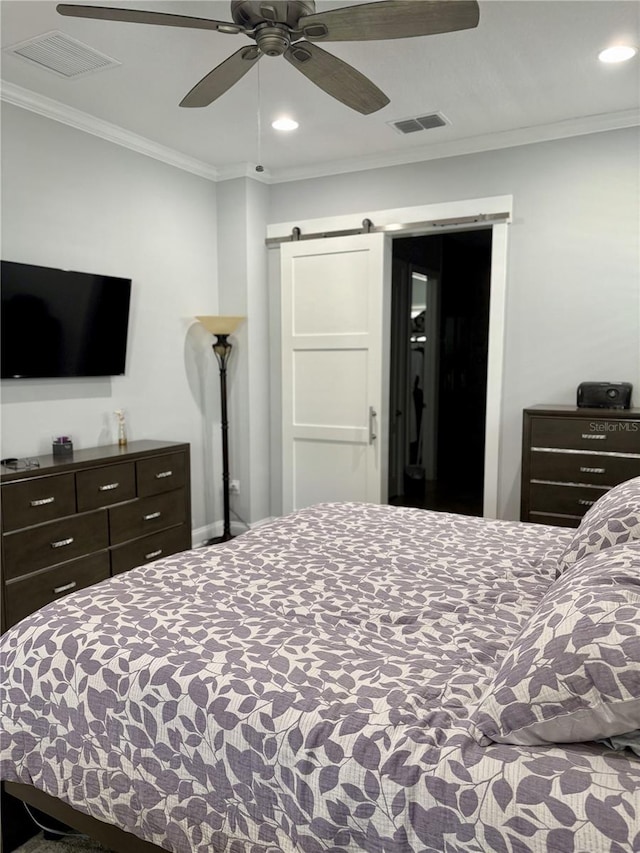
(604, 395)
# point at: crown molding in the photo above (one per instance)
(244, 170)
(57, 111)
(469, 145)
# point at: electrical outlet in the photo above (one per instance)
(234, 487)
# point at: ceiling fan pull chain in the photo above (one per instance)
(259, 166)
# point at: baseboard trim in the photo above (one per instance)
(201, 534)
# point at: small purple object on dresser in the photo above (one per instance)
(62, 446)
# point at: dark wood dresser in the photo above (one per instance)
(74, 521)
(571, 456)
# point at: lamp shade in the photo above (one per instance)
(220, 325)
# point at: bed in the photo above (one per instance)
(351, 677)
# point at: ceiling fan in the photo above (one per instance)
(291, 28)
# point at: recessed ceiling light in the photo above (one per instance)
(284, 124)
(618, 53)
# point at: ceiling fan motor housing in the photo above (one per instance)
(250, 13)
(272, 40)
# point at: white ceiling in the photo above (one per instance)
(528, 72)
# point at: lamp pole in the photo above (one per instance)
(222, 349)
(221, 328)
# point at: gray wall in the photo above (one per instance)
(573, 290)
(242, 258)
(72, 200)
(192, 247)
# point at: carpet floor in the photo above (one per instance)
(70, 844)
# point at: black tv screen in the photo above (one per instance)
(61, 323)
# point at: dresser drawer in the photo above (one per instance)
(105, 486)
(141, 551)
(601, 434)
(596, 470)
(54, 542)
(27, 594)
(36, 500)
(160, 474)
(568, 500)
(146, 515)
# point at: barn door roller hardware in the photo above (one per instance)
(407, 228)
(296, 233)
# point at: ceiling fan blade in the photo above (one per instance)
(336, 77)
(390, 19)
(136, 16)
(222, 78)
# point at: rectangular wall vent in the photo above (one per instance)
(66, 56)
(412, 125)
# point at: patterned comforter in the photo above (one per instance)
(308, 687)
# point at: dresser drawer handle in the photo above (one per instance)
(108, 487)
(584, 502)
(42, 501)
(151, 516)
(593, 437)
(62, 542)
(153, 554)
(592, 470)
(163, 474)
(65, 588)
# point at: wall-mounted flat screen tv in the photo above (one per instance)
(62, 323)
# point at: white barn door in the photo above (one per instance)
(335, 295)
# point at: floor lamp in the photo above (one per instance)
(222, 327)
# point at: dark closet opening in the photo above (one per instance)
(438, 385)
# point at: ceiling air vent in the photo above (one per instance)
(62, 54)
(411, 125)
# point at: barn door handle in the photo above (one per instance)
(372, 423)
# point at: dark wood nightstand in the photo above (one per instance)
(572, 456)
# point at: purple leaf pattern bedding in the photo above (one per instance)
(309, 686)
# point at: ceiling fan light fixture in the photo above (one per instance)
(617, 53)
(285, 123)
